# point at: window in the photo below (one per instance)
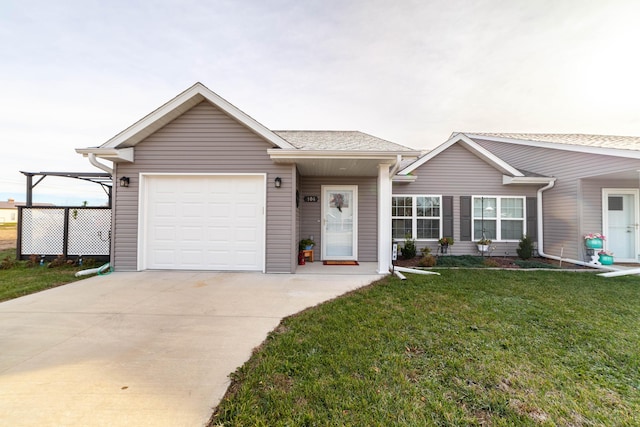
(498, 218)
(416, 216)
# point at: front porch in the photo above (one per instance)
(317, 267)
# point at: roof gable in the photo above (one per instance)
(180, 104)
(473, 147)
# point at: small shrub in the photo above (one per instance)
(426, 251)
(427, 261)
(525, 248)
(7, 263)
(409, 249)
(33, 260)
(489, 262)
(60, 261)
(89, 262)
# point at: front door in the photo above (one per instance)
(620, 217)
(340, 222)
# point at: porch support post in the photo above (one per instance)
(384, 218)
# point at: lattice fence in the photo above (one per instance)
(53, 231)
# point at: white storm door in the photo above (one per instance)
(620, 218)
(340, 222)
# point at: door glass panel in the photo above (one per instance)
(339, 235)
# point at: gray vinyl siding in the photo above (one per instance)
(206, 140)
(310, 224)
(573, 206)
(458, 172)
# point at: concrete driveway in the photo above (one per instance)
(142, 349)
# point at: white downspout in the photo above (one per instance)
(96, 163)
(541, 234)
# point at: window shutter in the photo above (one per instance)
(447, 216)
(465, 218)
(532, 217)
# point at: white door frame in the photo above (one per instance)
(606, 192)
(324, 212)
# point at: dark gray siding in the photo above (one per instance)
(310, 223)
(458, 172)
(206, 140)
(573, 206)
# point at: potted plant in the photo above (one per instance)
(306, 244)
(444, 243)
(594, 240)
(605, 257)
(483, 244)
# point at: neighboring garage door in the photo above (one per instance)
(203, 222)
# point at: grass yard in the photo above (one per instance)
(20, 279)
(465, 348)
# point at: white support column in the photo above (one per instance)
(384, 218)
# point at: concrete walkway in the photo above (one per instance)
(142, 349)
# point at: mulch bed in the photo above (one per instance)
(502, 262)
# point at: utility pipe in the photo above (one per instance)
(96, 163)
(541, 238)
(93, 270)
(414, 271)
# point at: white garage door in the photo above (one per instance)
(203, 222)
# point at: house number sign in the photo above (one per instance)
(310, 198)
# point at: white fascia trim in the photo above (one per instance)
(277, 154)
(479, 151)
(113, 154)
(404, 178)
(617, 152)
(197, 93)
(536, 180)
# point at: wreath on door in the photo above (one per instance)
(337, 201)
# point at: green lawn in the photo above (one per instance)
(20, 279)
(477, 347)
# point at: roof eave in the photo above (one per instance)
(404, 178)
(617, 152)
(277, 154)
(115, 155)
(534, 180)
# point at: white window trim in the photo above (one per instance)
(498, 217)
(414, 217)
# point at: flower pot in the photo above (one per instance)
(593, 243)
(483, 248)
(605, 259)
(308, 247)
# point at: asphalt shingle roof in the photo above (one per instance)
(337, 140)
(600, 141)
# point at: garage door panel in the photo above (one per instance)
(204, 223)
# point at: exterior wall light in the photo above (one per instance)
(124, 181)
(278, 182)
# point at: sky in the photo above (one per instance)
(75, 73)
